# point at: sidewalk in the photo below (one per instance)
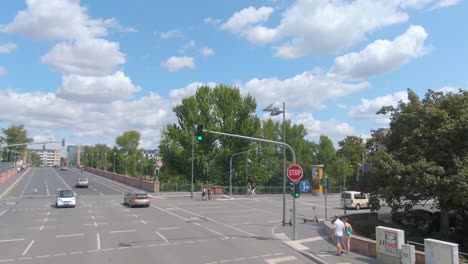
(313, 243)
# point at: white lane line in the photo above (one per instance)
(12, 240)
(282, 259)
(101, 193)
(61, 178)
(42, 227)
(76, 252)
(61, 254)
(121, 231)
(14, 184)
(25, 258)
(169, 228)
(27, 248)
(95, 190)
(108, 249)
(159, 234)
(43, 256)
(3, 212)
(30, 177)
(6, 260)
(93, 250)
(98, 241)
(227, 211)
(70, 235)
(273, 221)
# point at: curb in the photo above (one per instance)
(312, 257)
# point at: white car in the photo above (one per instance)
(65, 198)
(82, 183)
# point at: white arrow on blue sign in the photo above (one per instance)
(304, 186)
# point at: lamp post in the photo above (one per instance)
(230, 169)
(344, 183)
(114, 161)
(247, 178)
(139, 162)
(97, 161)
(274, 111)
(191, 182)
(105, 161)
(126, 161)
(92, 160)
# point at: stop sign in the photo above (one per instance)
(295, 172)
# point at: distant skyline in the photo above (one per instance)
(87, 71)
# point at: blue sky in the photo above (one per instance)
(89, 70)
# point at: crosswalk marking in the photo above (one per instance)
(281, 259)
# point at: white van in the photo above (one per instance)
(356, 200)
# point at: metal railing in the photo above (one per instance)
(4, 166)
(419, 246)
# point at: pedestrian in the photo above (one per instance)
(209, 193)
(203, 193)
(249, 189)
(347, 235)
(253, 190)
(338, 230)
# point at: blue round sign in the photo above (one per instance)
(304, 186)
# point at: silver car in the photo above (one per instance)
(82, 183)
(65, 198)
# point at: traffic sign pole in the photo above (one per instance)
(294, 215)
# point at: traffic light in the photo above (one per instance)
(294, 187)
(199, 132)
(296, 193)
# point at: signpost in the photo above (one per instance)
(294, 174)
(304, 186)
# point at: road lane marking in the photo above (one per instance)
(310, 239)
(12, 240)
(42, 227)
(43, 256)
(282, 259)
(3, 212)
(169, 228)
(98, 241)
(76, 252)
(30, 177)
(216, 221)
(6, 260)
(101, 193)
(108, 249)
(70, 235)
(159, 234)
(61, 179)
(27, 248)
(121, 231)
(227, 211)
(25, 258)
(61, 254)
(13, 185)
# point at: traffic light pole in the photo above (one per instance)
(294, 214)
(284, 176)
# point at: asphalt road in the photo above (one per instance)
(174, 229)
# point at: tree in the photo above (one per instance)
(128, 154)
(221, 108)
(426, 153)
(351, 153)
(16, 134)
(36, 159)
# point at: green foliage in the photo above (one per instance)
(15, 134)
(427, 150)
(35, 159)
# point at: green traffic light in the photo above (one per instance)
(296, 195)
(199, 138)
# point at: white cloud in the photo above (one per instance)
(95, 57)
(303, 91)
(176, 95)
(332, 128)
(174, 64)
(56, 20)
(104, 89)
(207, 52)
(192, 43)
(42, 112)
(170, 34)
(7, 47)
(368, 108)
(444, 3)
(2, 71)
(382, 56)
(448, 89)
(212, 21)
(247, 16)
(318, 27)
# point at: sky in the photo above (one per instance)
(87, 71)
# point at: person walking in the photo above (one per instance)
(209, 193)
(203, 193)
(249, 189)
(347, 235)
(338, 230)
(253, 190)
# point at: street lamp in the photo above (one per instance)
(114, 161)
(97, 161)
(105, 161)
(274, 111)
(141, 173)
(126, 161)
(230, 170)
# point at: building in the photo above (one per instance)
(73, 155)
(150, 153)
(49, 157)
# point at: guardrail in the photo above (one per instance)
(420, 247)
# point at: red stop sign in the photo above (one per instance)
(295, 172)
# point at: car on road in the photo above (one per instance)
(133, 199)
(63, 168)
(356, 200)
(82, 183)
(65, 198)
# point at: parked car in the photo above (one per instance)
(82, 183)
(136, 199)
(65, 198)
(357, 200)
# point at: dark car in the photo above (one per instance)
(137, 199)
